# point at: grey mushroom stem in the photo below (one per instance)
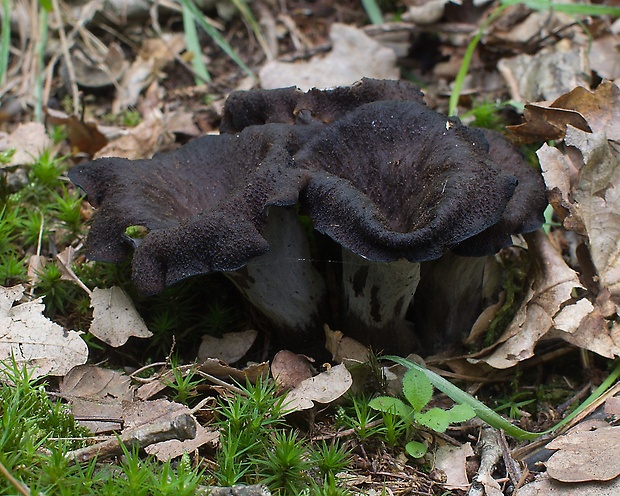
(283, 284)
(376, 298)
(450, 298)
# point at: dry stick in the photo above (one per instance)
(490, 454)
(67, 266)
(511, 466)
(65, 49)
(181, 427)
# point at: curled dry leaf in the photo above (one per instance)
(553, 285)
(344, 349)
(583, 180)
(290, 369)
(585, 189)
(115, 319)
(253, 372)
(324, 388)
(531, 78)
(230, 348)
(83, 136)
(154, 54)
(34, 340)
(452, 461)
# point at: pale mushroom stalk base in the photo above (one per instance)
(283, 284)
(376, 298)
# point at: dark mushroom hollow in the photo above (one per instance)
(390, 182)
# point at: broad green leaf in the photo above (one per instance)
(417, 389)
(435, 418)
(395, 406)
(461, 413)
(415, 449)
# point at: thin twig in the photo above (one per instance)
(18, 485)
(64, 45)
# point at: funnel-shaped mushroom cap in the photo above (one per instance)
(524, 212)
(397, 180)
(248, 108)
(203, 204)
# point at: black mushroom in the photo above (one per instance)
(389, 180)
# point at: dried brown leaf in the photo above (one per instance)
(290, 369)
(34, 340)
(553, 285)
(28, 140)
(584, 456)
(115, 319)
(354, 55)
(96, 396)
(230, 348)
(323, 388)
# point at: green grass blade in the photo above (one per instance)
(5, 40)
(457, 89)
(567, 8)
(245, 11)
(373, 11)
(40, 61)
(469, 53)
(193, 45)
(216, 36)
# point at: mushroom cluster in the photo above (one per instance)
(386, 178)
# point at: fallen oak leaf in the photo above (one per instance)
(115, 318)
(34, 340)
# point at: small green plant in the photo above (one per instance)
(256, 446)
(329, 458)
(46, 170)
(183, 385)
(515, 404)
(59, 294)
(362, 419)
(37, 433)
(67, 207)
(418, 391)
(284, 468)
(486, 414)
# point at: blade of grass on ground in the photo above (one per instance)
(216, 36)
(201, 72)
(5, 40)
